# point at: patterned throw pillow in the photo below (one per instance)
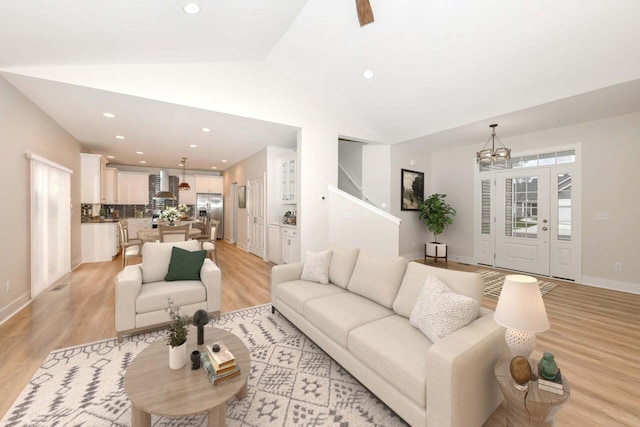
(316, 267)
(439, 311)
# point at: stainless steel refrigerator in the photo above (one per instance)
(211, 205)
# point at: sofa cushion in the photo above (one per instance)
(343, 260)
(377, 277)
(336, 315)
(297, 292)
(396, 351)
(185, 265)
(316, 267)
(156, 257)
(155, 296)
(439, 311)
(461, 282)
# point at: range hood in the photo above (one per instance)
(164, 187)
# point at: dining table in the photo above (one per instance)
(153, 235)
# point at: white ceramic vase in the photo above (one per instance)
(178, 356)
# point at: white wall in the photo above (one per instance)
(354, 223)
(376, 173)
(350, 158)
(252, 167)
(413, 233)
(611, 156)
(24, 127)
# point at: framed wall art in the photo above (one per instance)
(242, 196)
(411, 189)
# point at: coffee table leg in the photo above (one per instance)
(139, 418)
(242, 393)
(218, 416)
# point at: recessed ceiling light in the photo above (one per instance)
(368, 74)
(214, 167)
(111, 157)
(191, 9)
(119, 137)
(142, 161)
(206, 130)
(193, 146)
(109, 115)
(139, 152)
(224, 161)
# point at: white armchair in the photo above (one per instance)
(142, 293)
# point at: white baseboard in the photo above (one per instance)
(614, 285)
(462, 259)
(21, 302)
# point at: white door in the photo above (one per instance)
(255, 217)
(233, 189)
(522, 220)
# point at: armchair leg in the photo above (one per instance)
(273, 310)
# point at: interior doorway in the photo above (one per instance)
(233, 220)
(255, 217)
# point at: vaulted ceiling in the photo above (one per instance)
(439, 66)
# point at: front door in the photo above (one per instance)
(522, 220)
(255, 217)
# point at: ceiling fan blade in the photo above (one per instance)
(365, 14)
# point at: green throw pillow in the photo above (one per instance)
(185, 265)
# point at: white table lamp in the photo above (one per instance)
(521, 310)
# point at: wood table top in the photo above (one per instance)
(155, 388)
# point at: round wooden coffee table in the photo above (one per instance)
(154, 388)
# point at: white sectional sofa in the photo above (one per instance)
(361, 319)
(142, 294)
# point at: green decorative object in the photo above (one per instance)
(548, 366)
(436, 214)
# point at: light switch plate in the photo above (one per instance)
(601, 216)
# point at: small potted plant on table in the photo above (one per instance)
(177, 337)
(436, 214)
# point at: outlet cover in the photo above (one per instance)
(617, 266)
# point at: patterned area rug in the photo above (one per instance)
(494, 281)
(292, 382)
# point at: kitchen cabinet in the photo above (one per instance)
(133, 188)
(93, 168)
(209, 184)
(289, 242)
(111, 186)
(288, 179)
(188, 197)
(136, 224)
(275, 244)
(99, 241)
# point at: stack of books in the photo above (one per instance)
(553, 385)
(221, 365)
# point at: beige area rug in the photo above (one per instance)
(494, 281)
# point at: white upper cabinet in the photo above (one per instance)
(133, 188)
(93, 168)
(111, 185)
(288, 179)
(209, 184)
(188, 197)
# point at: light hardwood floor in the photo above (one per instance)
(595, 334)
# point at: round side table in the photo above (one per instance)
(532, 407)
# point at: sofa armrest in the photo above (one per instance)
(128, 285)
(211, 278)
(461, 385)
(285, 273)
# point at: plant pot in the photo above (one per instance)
(436, 250)
(178, 356)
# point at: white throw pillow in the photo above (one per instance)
(439, 311)
(316, 267)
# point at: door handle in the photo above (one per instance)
(545, 228)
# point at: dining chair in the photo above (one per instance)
(177, 233)
(130, 247)
(208, 239)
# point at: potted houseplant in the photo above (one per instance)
(436, 214)
(177, 337)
